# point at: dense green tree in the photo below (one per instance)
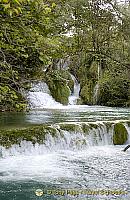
(27, 44)
(36, 34)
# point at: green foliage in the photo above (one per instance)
(26, 47)
(11, 100)
(114, 88)
(12, 7)
(34, 35)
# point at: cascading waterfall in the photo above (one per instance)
(69, 136)
(39, 96)
(72, 156)
(75, 95)
(128, 130)
(73, 150)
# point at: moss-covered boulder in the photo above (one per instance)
(88, 77)
(58, 84)
(60, 92)
(86, 92)
(34, 134)
(70, 127)
(120, 135)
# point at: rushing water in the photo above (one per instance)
(46, 110)
(68, 166)
(75, 95)
(72, 113)
(39, 96)
(92, 169)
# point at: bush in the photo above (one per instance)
(114, 89)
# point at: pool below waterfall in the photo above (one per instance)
(71, 164)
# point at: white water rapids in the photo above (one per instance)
(70, 160)
(39, 96)
(75, 95)
(94, 168)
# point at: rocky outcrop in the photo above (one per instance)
(93, 133)
(120, 135)
(60, 85)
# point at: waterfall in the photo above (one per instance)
(128, 130)
(75, 95)
(72, 157)
(68, 136)
(39, 96)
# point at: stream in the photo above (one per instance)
(60, 169)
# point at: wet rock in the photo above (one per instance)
(120, 135)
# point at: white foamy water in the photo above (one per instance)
(39, 97)
(75, 95)
(73, 140)
(71, 160)
(99, 167)
(75, 152)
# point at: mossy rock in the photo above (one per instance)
(58, 85)
(34, 134)
(70, 127)
(85, 128)
(120, 135)
(86, 93)
(60, 92)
